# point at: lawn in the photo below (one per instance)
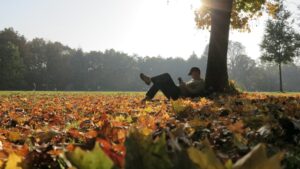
(67, 92)
(115, 130)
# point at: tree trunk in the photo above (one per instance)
(216, 79)
(280, 78)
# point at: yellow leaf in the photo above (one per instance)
(179, 106)
(146, 131)
(228, 164)
(129, 119)
(148, 109)
(94, 159)
(119, 118)
(205, 158)
(257, 159)
(13, 162)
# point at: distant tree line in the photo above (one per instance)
(44, 65)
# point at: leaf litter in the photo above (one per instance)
(117, 131)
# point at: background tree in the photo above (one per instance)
(15, 50)
(280, 41)
(12, 36)
(235, 50)
(79, 70)
(218, 15)
(53, 66)
(36, 62)
(11, 67)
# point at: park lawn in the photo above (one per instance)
(58, 128)
(69, 92)
(123, 92)
(277, 93)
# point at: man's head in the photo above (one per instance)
(195, 73)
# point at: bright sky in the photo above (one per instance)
(142, 27)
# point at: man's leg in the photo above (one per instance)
(165, 83)
(152, 92)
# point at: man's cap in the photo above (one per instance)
(194, 69)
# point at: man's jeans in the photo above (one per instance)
(166, 85)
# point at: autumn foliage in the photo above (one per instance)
(98, 130)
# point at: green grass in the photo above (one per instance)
(117, 93)
(68, 92)
(277, 93)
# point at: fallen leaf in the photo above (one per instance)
(205, 158)
(94, 159)
(13, 161)
(257, 159)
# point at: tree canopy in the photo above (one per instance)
(243, 11)
(280, 41)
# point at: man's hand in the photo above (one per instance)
(180, 80)
(181, 83)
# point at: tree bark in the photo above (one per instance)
(280, 78)
(216, 79)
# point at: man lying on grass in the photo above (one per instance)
(166, 85)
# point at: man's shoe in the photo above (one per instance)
(145, 78)
(146, 99)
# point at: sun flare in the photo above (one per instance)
(197, 4)
(200, 3)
